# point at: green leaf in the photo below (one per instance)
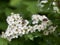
(3, 41)
(30, 36)
(15, 2)
(3, 26)
(18, 41)
(8, 11)
(32, 6)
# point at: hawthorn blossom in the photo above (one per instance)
(17, 26)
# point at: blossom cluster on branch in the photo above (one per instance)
(17, 26)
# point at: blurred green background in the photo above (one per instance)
(26, 8)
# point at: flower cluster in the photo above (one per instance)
(55, 8)
(42, 2)
(17, 26)
(54, 4)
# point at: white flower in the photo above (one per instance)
(23, 32)
(52, 29)
(13, 19)
(46, 32)
(14, 36)
(26, 22)
(54, 3)
(15, 30)
(35, 27)
(45, 1)
(10, 20)
(36, 18)
(9, 38)
(40, 5)
(3, 35)
(30, 28)
(56, 9)
(8, 33)
(41, 27)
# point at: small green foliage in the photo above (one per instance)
(3, 41)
